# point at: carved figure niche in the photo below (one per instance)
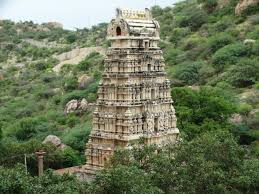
(118, 31)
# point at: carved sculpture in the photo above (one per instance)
(134, 98)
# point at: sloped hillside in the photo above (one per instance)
(34, 97)
(215, 43)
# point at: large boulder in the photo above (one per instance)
(71, 106)
(249, 41)
(55, 141)
(236, 119)
(84, 80)
(254, 112)
(243, 5)
(83, 105)
(52, 139)
(76, 105)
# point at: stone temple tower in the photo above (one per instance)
(134, 98)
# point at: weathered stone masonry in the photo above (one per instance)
(134, 98)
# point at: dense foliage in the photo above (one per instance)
(211, 163)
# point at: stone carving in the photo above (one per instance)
(134, 99)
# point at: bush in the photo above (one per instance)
(218, 41)
(70, 83)
(16, 180)
(78, 136)
(189, 73)
(194, 108)
(244, 109)
(173, 56)
(194, 42)
(78, 94)
(192, 17)
(255, 48)
(254, 34)
(209, 5)
(25, 129)
(71, 38)
(254, 19)
(178, 33)
(229, 55)
(244, 74)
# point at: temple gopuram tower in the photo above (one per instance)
(134, 98)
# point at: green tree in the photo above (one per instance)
(71, 38)
(192, 17)
(189, 74)
(218, 41)
(228, 55)
(16, 181)
(123, 179)
(209, 5)
(244, 74)
(195, 107)
(211, 163)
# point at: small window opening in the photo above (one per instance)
(118, 31)
(146, 45)
(156, 125)
(149, 67)
(152, 94)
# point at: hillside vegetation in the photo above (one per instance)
(212, 58)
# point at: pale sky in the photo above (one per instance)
(71, 13)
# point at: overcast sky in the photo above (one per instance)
(71, 13)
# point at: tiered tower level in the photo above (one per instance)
(134, 98)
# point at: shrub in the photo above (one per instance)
(25, 129)
(48, 93)
(254, 19)
(71, 38)
(229, 55)
(194, 108)
(72, 120)
(255, 48)
(78, 94)
(189, 74)
(173, 56)
(192, 17)
(93, 60)
(178, 33)
(244, 74)
(244, 109)
(218, 41)
(254, 34)
(70, 83)
(222, 24)
(209, 5)
(78, 136)
(49, 77)
(194, 42)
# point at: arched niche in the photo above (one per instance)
(118, 31)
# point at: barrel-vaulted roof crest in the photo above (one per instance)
(134, 14)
